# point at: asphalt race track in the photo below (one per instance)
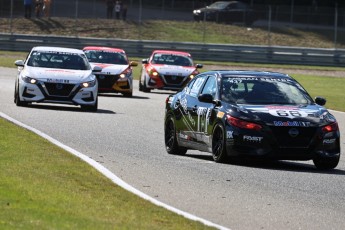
(126, 136)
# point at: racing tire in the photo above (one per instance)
(324, 163)
(17, 100)
(144, 87)
(170, 138)
(90, 108)
(140, 86)
(219, 153)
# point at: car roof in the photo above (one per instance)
(172, 52)
(57, 49)
(104, 48)
(256, 73)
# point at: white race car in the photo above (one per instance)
(117, 74)
(167, 69)
(56, 75)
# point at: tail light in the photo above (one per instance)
(330, 128)
(242, 123)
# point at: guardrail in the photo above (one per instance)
(199, 51)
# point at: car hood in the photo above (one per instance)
(284, 115)
(110, 68)
(174, 70)
(44, 74)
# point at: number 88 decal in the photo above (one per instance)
(288, 113)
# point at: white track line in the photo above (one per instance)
(112, 176)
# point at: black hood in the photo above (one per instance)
(283, 115)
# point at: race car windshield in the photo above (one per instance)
(106, 57)
(170, 59)
(58, 60)
(218, 5)
(252, 90)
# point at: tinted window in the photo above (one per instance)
(210, 86)
(107, 57)
(59, 60)
(172, 59)
(252, 90)
(197, 86)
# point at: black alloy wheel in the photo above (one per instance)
(171, 144)
(218, 144)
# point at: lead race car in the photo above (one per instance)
(253, 114)
(167, 69)
(56, 75)
(117, 74)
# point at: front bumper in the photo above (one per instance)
(44, 92)
(114, 84)
(308, 147)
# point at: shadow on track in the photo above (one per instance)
(67, 108)
(281, 165)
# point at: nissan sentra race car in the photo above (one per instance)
(116, 75)
(56, 75)
(166, 69)
(254, 114)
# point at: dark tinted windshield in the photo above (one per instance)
(59, 60)
(106, 57)
(252, 90)
(172, 59)
(219, 5)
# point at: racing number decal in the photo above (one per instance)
(204, 115)
(288, 113)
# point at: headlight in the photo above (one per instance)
(88, 84)
(191, 76)
(196, 11)
(29, 80)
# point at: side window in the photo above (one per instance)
(210, 87)
(197, 86)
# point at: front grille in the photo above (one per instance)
(107, 81)
(173, 79)
(285, 140)
(58, 89)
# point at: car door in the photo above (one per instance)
(206, 110)
(188, 102)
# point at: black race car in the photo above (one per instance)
(251, 113)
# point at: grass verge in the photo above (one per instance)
(45, 187)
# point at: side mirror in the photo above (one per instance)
(133, 63)
(199, 66)
(19, 63)
(145, 61)
(207, 98)
(96, 69)
(320, 101)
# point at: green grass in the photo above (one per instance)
(44, 187)
(186, 31)
(332, 88)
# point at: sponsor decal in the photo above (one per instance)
(252, 138)
(220, 114)
(184, 136)
(50, 80)
(229, 134)
(292, 123)
(329, 141)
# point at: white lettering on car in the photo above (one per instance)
(252, 138)
(229, 134)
